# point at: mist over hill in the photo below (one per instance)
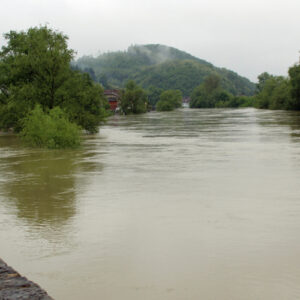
(159, 66)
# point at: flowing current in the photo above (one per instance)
(191, 204)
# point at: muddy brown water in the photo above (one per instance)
(192, 204)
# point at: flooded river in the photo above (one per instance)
(192, 204)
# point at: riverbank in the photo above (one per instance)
(15, 286)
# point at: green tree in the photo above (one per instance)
(224, 99)
(275, 94)
(35, 69)
(294, 73)
(169, 100)
(164, 106)
(210, 94)
(52, 130)
(212, 83)
(153, 95)
(199, 98)
(83, 100)
(262, 78)
(133, 99)
(207, 94)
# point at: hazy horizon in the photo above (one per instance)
(249, 37)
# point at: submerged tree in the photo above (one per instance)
(169, 100)
(207, 94)
(35, 69)
(52, 130)
(134, 99)
(210, 94)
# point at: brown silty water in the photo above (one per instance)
(191, 204)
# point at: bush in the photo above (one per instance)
(49, 130)
(164, 106)
(169, 100)
(134, 99)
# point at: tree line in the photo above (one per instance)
(45, 100)
(278, 92)
(48, 102)
(136, 100)
(272, 92)
(210, 94)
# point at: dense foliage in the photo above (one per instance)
(169, 100)
(210, 94)
(185, 75)
(35, 69)
(133, 99)
(294, 73)
(278, 92)
(153, 95)
(160, 66)
(274, 93)
(50, 130)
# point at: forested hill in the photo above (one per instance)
(159, 66)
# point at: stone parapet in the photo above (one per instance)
(13, 286)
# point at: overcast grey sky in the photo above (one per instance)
(246, 36)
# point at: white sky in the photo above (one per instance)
(246, 36)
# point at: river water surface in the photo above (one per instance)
(192, 204)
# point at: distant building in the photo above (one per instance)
(113, 97)
(186, 101)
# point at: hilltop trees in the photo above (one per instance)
(35, 69)
(160, 66)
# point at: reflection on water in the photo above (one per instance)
(41, 185)
(191, 204)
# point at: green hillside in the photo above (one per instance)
(160, 66)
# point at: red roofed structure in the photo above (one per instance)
(113, 97)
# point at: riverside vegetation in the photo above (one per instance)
(169, 100)
(41, 96)
(158, 68)
(48, 98)
(272, 92)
